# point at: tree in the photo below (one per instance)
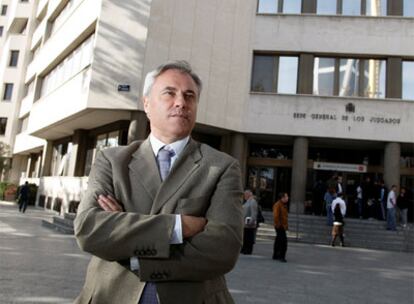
(5, 159)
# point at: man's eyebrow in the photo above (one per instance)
(168, 88)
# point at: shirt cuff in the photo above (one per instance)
(134, 263)
(177, 235)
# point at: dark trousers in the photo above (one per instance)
(248, 240)
(23, 205)
(280, 245)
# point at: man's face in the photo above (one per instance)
(171, 106)
(285, 198)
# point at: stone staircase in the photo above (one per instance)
(370, 234)
(62, 224)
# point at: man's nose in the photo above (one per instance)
(179, 100)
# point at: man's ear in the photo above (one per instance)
(145, 101)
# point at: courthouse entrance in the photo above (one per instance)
(267, 182)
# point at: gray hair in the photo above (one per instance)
(180, 65)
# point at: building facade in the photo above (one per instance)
(296, 90)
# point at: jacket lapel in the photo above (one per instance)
(183, 168)
(144, 169)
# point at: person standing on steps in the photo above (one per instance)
(339, 211)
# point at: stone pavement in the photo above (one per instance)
(38, 265)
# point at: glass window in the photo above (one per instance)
(288, 74)
(1, 31)
(323, 76)
(408, 10)
(348, 77)
(326, 7)
(3, 124)
(263, 73)
(374, 78)
(351, 7)
(292, 6)
(267, 6)
(68, 67)
(8, 91)
(4, 10)
(376, 7)
(14, 57)
(408, 80)
(61, 158)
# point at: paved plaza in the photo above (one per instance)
(38, 265)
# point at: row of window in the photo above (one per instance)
(334, 7)
(331, 76)
(70, 66)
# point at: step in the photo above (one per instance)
(57, 227)
(69, 216)
(63, 221)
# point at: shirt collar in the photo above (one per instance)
(178, 146)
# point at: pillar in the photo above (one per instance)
(394, 78)
(305, 74)
(138, 127)
(392, 153)
(299, 173)
(395, 7)
(47, 159)
(309, 7)
(78, 153)
(238, 149)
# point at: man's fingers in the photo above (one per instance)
(108, 203)
(103, 205)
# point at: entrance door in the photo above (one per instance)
(267, 182)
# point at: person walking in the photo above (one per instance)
(339, 211)
(402, 204)
(250, 208)
(23, 197)
(391, 203)
(280, 216)
(360, 201)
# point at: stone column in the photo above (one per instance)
(138, 127)
(392, 153)
(299, 173)
(238, 150)
(47, 159)
(78, 153)
(29, 165)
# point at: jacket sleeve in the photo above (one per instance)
(116, 236)
(214, 251)
(276, 215)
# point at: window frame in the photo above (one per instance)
(3, 125)
(7, 87)
(3, 10)
(276, 65)
(14, 60)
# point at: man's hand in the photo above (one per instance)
(108, 203)
(191, 225)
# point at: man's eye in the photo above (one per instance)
(171, 93)
(189, 96)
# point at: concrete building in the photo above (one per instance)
(296, 90)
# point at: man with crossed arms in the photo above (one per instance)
(163, 217)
